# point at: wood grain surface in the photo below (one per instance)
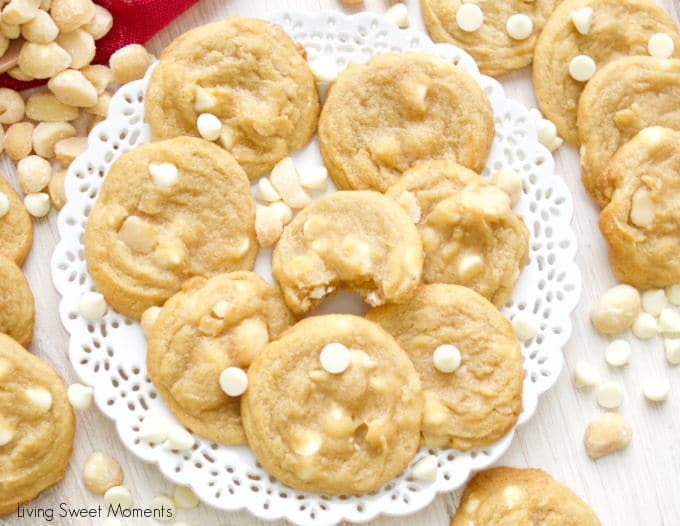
(638, 486)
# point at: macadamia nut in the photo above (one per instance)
(99, 75)
(42, 61)
(72, 88)
(616, 310)
(69, 15)
(130, 63)
(80, 45)
(101, 23)
(102, 105)
(17, 73)
(45, 107)
(41, 29)
(33, 173)
(101, 473)
(66, 150)
(607, 434)
(18, 141)
(47, 134)
(20, 11)
(56, 189)
(11, 106)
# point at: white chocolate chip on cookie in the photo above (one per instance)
(308, 443)
(4, 204)
(469, 17)
(661, 45)
(408, 201)
(582, 68)
(338, 423)
(582, 19)
(138, 235)
(163, 175)
(92, 306)
(470, 266)
(335, 358)
(642, 210)
(510, 182)
(209, 126)
(446, 358)
(519, 26)
(233, 381)
(204, 100)
(149, 317)
(39, 398)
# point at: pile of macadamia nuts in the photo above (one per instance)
(46, 130)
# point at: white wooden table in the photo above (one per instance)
(638, 486)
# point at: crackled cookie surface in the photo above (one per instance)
(624, 97)
(361, 241)
(382, 117)
(208, 326)
(470, 234)
(495, 51)
(168, 211)
(36, 426)
(250, 75)
(641, 223)
(17, 312)
(618, 28)
(16, 227)
(346, 431)
(509, 497)
(471, 403)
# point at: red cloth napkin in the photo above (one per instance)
(134, 22)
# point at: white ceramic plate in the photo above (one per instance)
(110, 354)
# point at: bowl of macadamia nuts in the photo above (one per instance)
(45, 128)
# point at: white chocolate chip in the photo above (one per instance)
(283, 211)
(233, 381)
(645, 326)
(672, 347)
(661, 45)
(525, 325)
(554, 144)
(510, 182)
(118, 496)
(315, 178)
(268, 226)
(582, 68)
(654, 301)
(582, 19)
(204, 101)
(163, 175)
(154, 428)
(616, 310)
(672, 293)
(149, 317)
(514, 496)
(338, 422)
(609, 395)
(642, 210)
(209, 126)
(308, 444)
(656, 389)
(606, 434)
(163, 508)
(101, 473)
(92, 306)
(469, 17)
(184, 498)
(546, 132)
(41, 398)
(80, 396)
(470, 266)
(38, 205)
(617, 353)
(669, 322)
(4, 204)
(425, 468)
(266, 192)
(585, 375)
(519, 26)
(446, 358)
(179, 439)
(408, 201)
(335, 358)
(284, 178)
(221, 309)
(324, 69)
(6, 433)
(398, 14)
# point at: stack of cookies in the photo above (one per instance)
(337, 404)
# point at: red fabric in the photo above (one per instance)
(134, 22)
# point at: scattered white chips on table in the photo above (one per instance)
(645, 326)
(617, 353)
(184, 497)
(656, 389)
(585, 375)
(654, 301)
(609, 395)
(154, 428)
(672, 348)
(179, 439)
(92, 306)
(118, 496)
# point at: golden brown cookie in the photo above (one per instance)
(336, 433)
(361, 241)
(16, 227)
(624, 97)
(494, 50)
(618, 28)
(208, 326)
(641, 223)
(519, 497)
(470, 234)
(168, 211)
(250, 75)
(382, 117)
(17, 311)
(36, 426)
(478, 401)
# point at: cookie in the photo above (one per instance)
(168, 211)
(476, 401)
(361, 241)
(492, 47)
(382, 117)
(641, 223)
(208, 326)
(342, 432)
(503, 496)
(624, 97)
(17, 313)
(618, 28)
(470, 234)
(36, 426)
(250, 75)
(16, 227)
